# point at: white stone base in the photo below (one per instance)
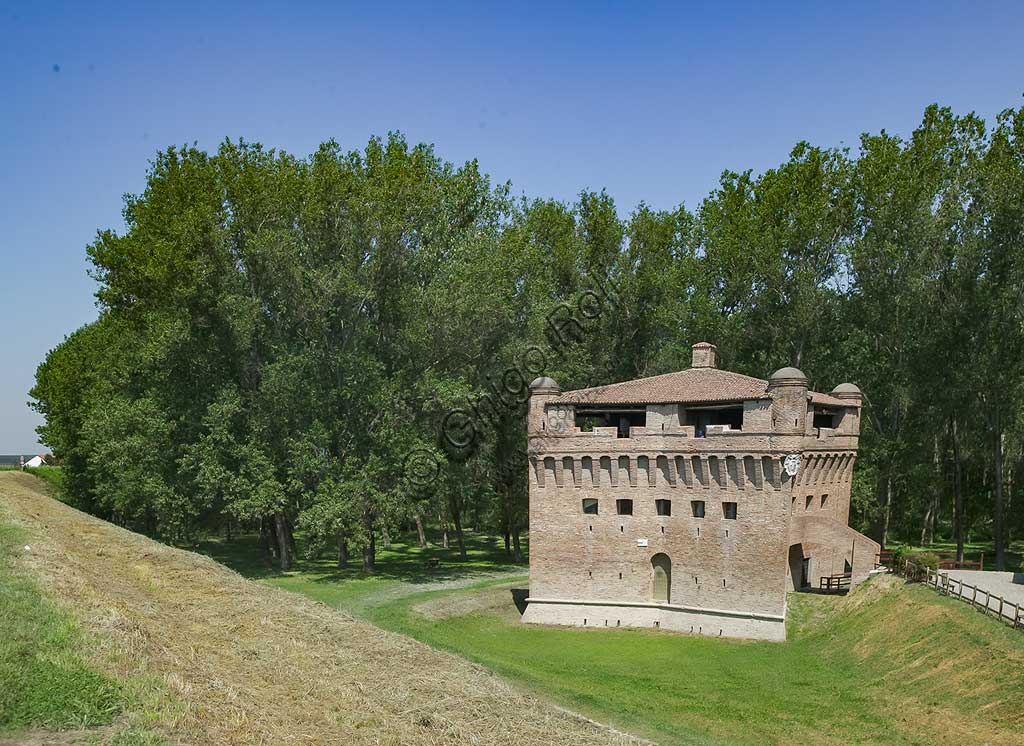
(709, 622)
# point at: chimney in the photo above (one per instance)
(704, 355)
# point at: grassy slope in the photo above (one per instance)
(255, 665)
(47, 681)
(902, 666)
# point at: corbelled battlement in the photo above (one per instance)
(690, 500)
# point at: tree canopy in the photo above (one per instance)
(278, 334)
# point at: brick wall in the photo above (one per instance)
(732, 574)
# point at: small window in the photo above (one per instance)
(823, 419)
(624, 507)
(824, 501)
(664, 507)
(810, 499)
(590, 506)
(792, 507)
(729, 511)
(698, 508)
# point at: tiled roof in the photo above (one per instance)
(826, 400)
(690, 386)
(693, 385)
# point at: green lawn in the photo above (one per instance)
(973, 551)
(880, 667)
(851, 674)
(46, 679)
(401, 568)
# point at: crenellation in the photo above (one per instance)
(708, 499)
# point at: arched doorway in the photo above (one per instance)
(662, 566)
(799, 567)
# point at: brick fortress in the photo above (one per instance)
(690, 501)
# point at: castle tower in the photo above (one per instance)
(788, 390)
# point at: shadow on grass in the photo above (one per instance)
(403, 560)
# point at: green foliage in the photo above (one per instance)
(928, 560)
(278, 334)
(52, 475)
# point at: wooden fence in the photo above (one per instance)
(978, 598)
(835, 583)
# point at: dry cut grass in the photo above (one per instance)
(247, 664)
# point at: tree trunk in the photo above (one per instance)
(370, 549)
(285, 543)
(457, 521)
(444, 531)
(958, 493)
(517, 550)
(385, 537)
(421, 532)
(925, 525)
(887, 507)
(1000, 518)
(508, 542)
(267, 542)
(290, 534)
(342, 550)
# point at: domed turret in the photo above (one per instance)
(788, 374)
(545, 385)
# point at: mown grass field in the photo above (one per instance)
(237, 662)
(890, 664)
(47, 681)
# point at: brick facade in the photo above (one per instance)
(726, 576)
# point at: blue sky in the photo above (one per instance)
(650, 103)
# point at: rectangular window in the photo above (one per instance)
(664, 507)
(624, 507)
(590, 506)
(824, 501)
(823, 419)
(698, 508)
(792, 507)
(729, 511)
(807, 505)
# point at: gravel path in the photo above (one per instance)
(386, 595)
(1006, 584)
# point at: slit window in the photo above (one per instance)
(624, 506)
(664, 507)
(824, 501)
(810, 499)
(590, 506)
(729, 511)
(698, 508)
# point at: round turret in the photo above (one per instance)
(545, 385)
(787, 375)
(847, 391)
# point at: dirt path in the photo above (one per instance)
(387, 595)
(250, 664)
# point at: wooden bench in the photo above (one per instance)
(948, 562)
(834, 583)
